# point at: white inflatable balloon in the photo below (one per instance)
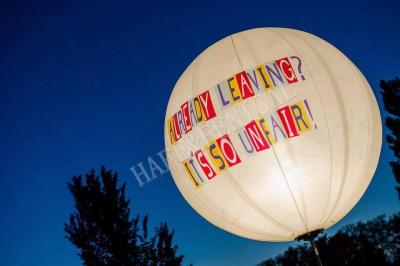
(272, 133)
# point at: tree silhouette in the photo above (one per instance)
(375, 242)
(102, 230)
(391, 98)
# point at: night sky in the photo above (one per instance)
(84, 84)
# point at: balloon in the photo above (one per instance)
(272, 133)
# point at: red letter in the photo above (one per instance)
(287, 69)
(227, 149)
(176, 127)
(287, 120)
(256, 137)
(207, 105)
(186, 117)
(244, 85)
(204, 164)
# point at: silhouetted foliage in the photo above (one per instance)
(375, 242)
(391, 98)
(102, 230)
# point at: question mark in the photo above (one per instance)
(298, 66)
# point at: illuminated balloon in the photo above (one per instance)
(272, 133)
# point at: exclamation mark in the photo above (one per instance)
(309, 111)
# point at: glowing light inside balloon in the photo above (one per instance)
(272, 133)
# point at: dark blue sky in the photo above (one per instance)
(84, 84)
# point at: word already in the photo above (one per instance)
(292, 121)
(198, 109)
(221, 155)
(262, 78)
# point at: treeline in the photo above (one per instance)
(374, 242)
